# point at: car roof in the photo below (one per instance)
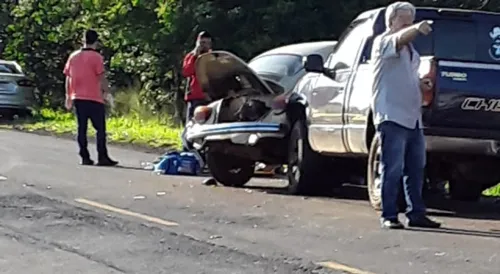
(372, 12)
(303, 49)
(12, 63)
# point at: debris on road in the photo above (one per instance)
(139, 197)
(49, 187)
(210, 182)
(28, 185)
(161, 193)
(3, 178)
(213, 237)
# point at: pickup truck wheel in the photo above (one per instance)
(374, 181)
(230, 170)
(466, 191)
(306, 169)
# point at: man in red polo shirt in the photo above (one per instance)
(195, 96)
(85, 84)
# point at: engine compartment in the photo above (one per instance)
(244, 108)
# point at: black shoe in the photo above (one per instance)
(391, 224)
(210, 182)
(107, 162)
(423, 222)
(87, 162)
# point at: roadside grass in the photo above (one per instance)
(128, 123)
(493, 192)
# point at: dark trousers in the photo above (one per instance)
(95, 112)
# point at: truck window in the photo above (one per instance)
(347, 50)
(462, 41)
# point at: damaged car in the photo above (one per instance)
(245, 123)
(255, 115)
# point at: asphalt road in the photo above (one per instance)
(59, 217)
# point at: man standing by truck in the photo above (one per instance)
(396, 105)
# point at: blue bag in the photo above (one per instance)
(175, 163)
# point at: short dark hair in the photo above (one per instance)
(91, 37)
(204, 34)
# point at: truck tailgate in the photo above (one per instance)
(467, 96)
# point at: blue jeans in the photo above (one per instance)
(190, 107)
(402, 161)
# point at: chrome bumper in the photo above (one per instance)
(239, 133)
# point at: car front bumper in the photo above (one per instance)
(239, 133)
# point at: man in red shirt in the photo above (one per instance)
(195, 96)
(85, 84)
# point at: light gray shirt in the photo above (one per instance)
(396, 85)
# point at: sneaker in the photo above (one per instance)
(87, 162)
(107, 162)
(391, 224)
(423, 222)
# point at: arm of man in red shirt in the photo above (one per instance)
(188, 68)
(69, 93)
(99, 70)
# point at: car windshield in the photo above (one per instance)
(462, 40)
(278, 64)
(9, 68)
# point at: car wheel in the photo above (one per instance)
(230, 170)
(307, 171)
(466, 191)
(374, 179)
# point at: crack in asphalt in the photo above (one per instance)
(21, 237)
(50, 213)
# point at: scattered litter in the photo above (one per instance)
(248, 190)
(439, 254)
(49, 187)
(3, 178)
(213, 237)
(139, 197)
(160, 193)
(28, 185)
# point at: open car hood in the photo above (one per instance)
(222, 74)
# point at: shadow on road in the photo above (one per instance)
(347, 192)
(463, 232)
(487, 209)
(483, 210)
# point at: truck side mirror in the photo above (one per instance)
(314, 63)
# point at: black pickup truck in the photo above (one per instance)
(461, 114)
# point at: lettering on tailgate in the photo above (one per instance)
(475, 104)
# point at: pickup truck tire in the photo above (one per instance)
(373, 178)
(308, 172)
(230, 170)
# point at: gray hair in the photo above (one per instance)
(393, 8)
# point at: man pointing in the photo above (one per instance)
(396, 105)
